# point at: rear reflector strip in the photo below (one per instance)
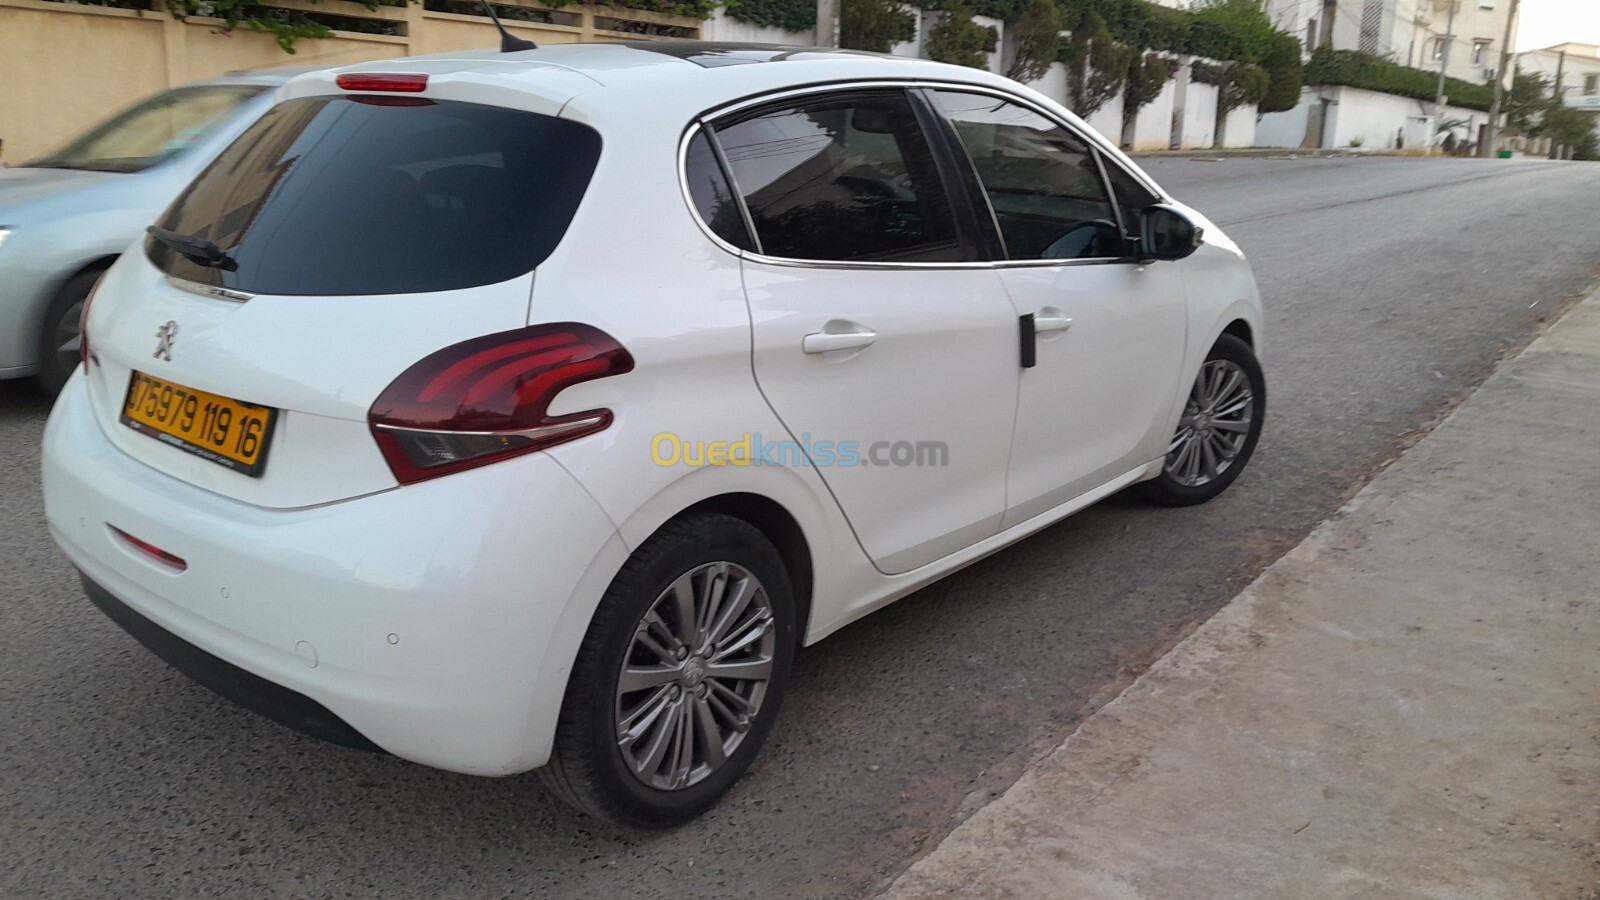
(403, 84)
(151, 550)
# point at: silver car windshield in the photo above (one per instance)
(155, 130)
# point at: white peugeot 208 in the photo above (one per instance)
(529, 410)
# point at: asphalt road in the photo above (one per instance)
(1392, 286)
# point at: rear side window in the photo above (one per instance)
(712, 195)
(844, 177)
(383, 195)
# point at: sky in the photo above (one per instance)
(1546, 22)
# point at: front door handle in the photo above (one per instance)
(827, 342)
(1046, 322)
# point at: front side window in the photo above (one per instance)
(846, 177)
(153, 131)
(1131, 195)
(1042, 181)
(381, 195)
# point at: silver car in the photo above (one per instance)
(64, 218)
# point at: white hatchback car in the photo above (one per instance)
(530, 410)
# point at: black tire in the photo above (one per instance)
(1170, 488)
(57, 335)
(588, 768)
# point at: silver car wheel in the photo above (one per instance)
(695, 675)
(1215, 424)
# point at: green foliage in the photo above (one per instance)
(1527, 98)
(1037, 32)
(956, 39)
(1231, 30)
(1566, 126)
(1097, 64)
(1285, 73)
(1352, 68)
(794, 15)
(874, 25)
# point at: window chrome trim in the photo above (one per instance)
(211, 291)
(709, 118)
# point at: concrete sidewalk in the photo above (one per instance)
(1405, 705)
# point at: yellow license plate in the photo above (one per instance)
(220, 429)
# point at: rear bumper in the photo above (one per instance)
(437, 621)
(247, 689)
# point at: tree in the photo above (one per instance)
(956, 39)
(874, 25)
(1285, 73)
(1567, 127)
(1147, 76)
(1097, 65)
(1238, 84)
(1036, 34)
(1527, 98)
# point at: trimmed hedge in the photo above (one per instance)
(1352, 68)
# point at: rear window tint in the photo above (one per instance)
(380, 195)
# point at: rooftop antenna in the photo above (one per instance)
(508, 42)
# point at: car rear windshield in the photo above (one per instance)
(381, 195)
(152, 132)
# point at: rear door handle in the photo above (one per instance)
(1043, 323)
(826, 342)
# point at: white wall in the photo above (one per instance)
(1287, 128)
(1200, 115)
(1372, 118)
(1241, 128)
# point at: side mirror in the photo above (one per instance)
(1165, 233)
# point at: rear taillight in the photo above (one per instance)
(487, 399)
(150, 550)
(383, 81)
(83, 326)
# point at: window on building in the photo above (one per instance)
(1480, 49)
(1591, 85)
(1438, 49)
(1311, 33)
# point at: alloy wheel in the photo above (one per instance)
(695, 675)
(1214, 426)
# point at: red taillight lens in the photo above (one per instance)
(150, 550)
(487, 399)
(83, 326)
(393, 83)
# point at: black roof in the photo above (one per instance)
(712, 54)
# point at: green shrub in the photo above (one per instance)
(874, 25)
(1352, 68)
(956, 39)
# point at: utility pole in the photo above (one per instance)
(1444, 63)
(1561, 66)
(1329, 8)
(827, 23)
(1490, 145)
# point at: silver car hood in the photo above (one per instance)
(26, 186)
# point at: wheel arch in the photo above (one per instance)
(781, 528)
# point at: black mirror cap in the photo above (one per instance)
(1166, 233)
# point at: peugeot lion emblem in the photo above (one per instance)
(165, 335)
